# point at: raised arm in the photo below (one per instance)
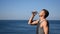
(31, 21)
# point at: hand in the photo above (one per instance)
(34, 13)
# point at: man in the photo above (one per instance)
(43, 25)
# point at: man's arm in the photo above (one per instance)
(45, 27)
(31, 20)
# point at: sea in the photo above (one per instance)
(22, 27)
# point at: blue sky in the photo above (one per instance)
(21, 9)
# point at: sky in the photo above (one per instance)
(21, 9)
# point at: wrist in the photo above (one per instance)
(32, 16)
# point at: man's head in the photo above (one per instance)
(44, 13)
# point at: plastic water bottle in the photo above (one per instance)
(34, 12)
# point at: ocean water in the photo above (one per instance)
(22, 27)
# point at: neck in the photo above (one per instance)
(42, 18)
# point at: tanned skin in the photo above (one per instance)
(44, 24)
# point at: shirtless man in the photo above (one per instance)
(43, 25)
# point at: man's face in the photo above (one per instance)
(42, 14)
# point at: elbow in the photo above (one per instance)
(29, 22)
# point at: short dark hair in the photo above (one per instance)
(46, 13)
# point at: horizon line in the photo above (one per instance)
(15, 19)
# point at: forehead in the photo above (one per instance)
(41, 11)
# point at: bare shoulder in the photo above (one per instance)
(45, 23)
